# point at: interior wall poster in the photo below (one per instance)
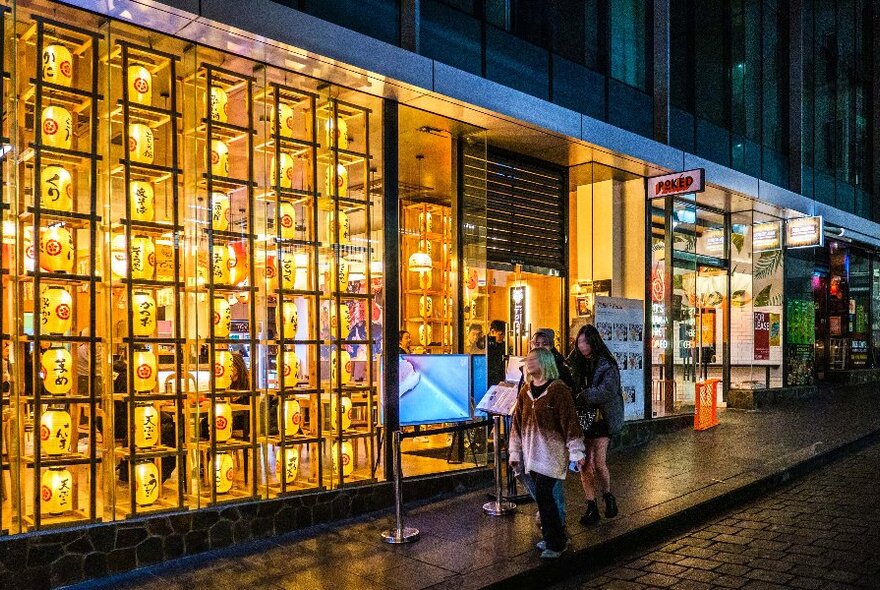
(621, 322)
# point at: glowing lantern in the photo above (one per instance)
(219, 212)
(219, 158)
(56, 310)
(426, 334)
(285, 171)
(146, 425)
(145, 375)
(119, 256)
(224, 472)
(238, 262)
(220, 264)
(222, 317)
(426, 306)
(141, 145)
(288, 270)
(344, 228)
(142, 201)
(340, 138)
(55, 427)
(426, 222)
(346, 412)
(56, 188)
(56, 491)
(286, 122)
(57, 364)
(143, 308)
(341, 367)
(219, 104)
(57, 65)
(289, 369)
(341, 185)
(342, 275)
(222, 421)
(287, 220)
(344, 326)
(425, 280)
(347, 458)
(271, 273)
(57, 127)
(140, 85)
(289, 319)
(222, 369)
(290, 464)
(56, 249)
(290, 416)
(143, 258)
(164, 260)
(147, 486)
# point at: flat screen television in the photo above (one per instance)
(434, 388)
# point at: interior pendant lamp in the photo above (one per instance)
(420, 261)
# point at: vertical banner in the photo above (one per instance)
(762, 336)
(621, 322)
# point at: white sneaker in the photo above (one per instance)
(550, 554)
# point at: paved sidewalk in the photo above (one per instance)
(676, 480)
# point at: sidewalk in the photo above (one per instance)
(675, 480)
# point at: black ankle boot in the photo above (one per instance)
(610, 505)
(591, 516)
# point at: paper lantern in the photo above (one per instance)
(286, 122)
(140, 85)
(143, 258)
(220, 264)
(57, 65)
(56, 249)
(219, 212)
(344, 228)
(55, 426)
(146, 425)
(56, 491)
(289, 318)
(341, 362)
(289, 369)
(347, 458)
(341, 275)
(57, 127)
(346, 412)
(425, 280)
(426, 334)
(447, 335)
(146, 480)
(56, 310)
(222, 421)
(288, 270)
(219, 158)
(145, 374)
(287, 220)
(340, 138)
(426, 306)
(219, 104)
(222, 369)
(56, 188)
(426, 222)
(289, 466)
(238, 262)
(340, 188)
(286, 171)
(141, 145)
(142, 201)
(164, 260)
(344, 326)
(57, 364)
(271, 273)
(119, 256)
(290, 416)
(222, 317)
(143, 308)
(224, 472)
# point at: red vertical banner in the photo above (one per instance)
(762, 336)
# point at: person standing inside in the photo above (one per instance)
(545, 338)
(544, 430)
(597, 389)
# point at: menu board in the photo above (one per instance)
(621, 323)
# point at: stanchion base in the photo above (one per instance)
(499, 508)
(401, 536)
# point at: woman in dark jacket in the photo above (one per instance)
(597, 386)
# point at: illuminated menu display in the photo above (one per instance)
(766, 236)
(804, 232)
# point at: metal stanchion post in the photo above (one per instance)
(399, 534)
(498, 506)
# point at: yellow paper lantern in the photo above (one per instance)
(119, 256)
(57, 65)
(290, 416)
(145, 375)
(146, 479)
(287, 220)
(289, 466)
(224, 472)
(56, 188)
(141, 145)
(164, 260)
(343, 236)
(344, 326)
(342, 275)
(219, 104)
(143, 258)
(140, 85)
(219, 158)
(425, 280)
(289, 318)
(347, 458)
(56, 249)
(341, 367)
(426, 306)
(346, 412)
(56, 310)
(56, 491)
(219, 212)
(426, 222)
(271, 273)
(288, 270)
(146, 425)
(289, 369)
(426, 334)
(142, 198)
(222, 369)
(286, 171)
(57, 127)
(222, 317)
(57, 364)
(55, 426)
(143, 308)
(222, 421)
(220, 264)
(339, 185)
(286, 122)
(340, 138)
(238, 262)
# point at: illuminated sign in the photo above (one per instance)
(518, 308)
(766, 236)
(804, 232)
(714, 240)
(678, 183)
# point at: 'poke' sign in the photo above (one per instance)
(677, 183)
